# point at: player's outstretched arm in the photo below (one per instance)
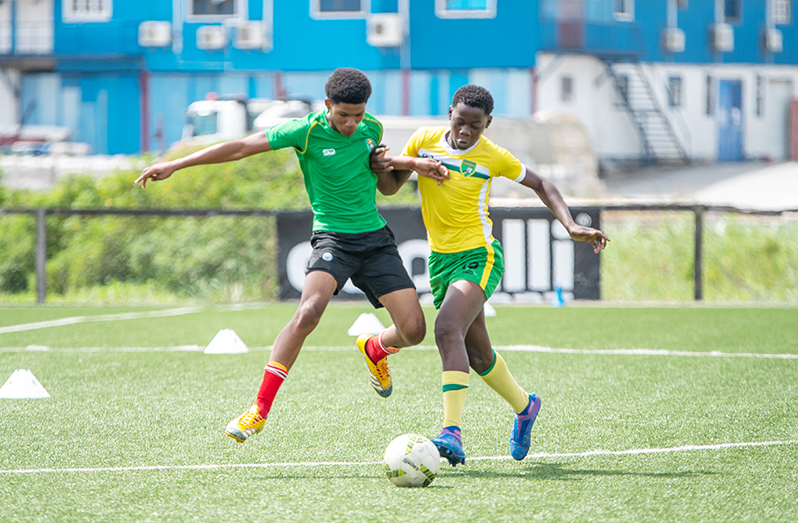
(393, 171)
(219, 153)
(552, 198)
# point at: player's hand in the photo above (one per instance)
(378, 162)
(430, 168)
(158, 171)
(588, 234)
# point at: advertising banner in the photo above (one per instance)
(539, 255)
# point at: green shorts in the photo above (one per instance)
(483, 265)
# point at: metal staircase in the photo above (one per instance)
(660, 143)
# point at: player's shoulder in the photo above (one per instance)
(492, 146)
(427, 133)
(371, 121)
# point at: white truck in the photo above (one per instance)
(214, 120)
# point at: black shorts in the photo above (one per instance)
(370, 259)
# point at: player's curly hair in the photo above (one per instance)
(474, 96)
(347, 85)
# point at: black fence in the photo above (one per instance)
(540, 257)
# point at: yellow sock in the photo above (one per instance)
(455, 386)
(499, 378)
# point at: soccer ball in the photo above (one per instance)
(411, 461)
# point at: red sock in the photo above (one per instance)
(273, 377)
(377, 350)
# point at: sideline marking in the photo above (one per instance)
(103, 317)
(646, 352)
(502, 348)
(589, 453)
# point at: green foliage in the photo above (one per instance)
(764, 269)
(17, 252)
(745, 258)
(217, 259)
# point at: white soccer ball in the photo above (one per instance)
(411, 461)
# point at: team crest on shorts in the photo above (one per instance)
(327, 256)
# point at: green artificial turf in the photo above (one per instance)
(121, 400)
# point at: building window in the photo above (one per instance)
(622, 90)
(731, 11)
(710, 96)
(623, 10)
(675, 93)
(567, 89)
(781, 11)
(338, 8)
(465, 8)
(86, 10)
(213, 8)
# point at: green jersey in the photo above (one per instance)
(340, 184)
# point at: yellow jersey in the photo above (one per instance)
(456, 212)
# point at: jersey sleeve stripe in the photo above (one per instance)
(522, 175)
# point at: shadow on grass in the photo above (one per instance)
(560, 472)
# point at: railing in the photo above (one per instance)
(591, 37)
(247, 244)
(28, 38)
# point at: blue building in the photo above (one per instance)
(659, 80)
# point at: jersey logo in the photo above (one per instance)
(370, 144)
(328, 152)
(468, 168)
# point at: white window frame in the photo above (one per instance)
(317, 14)
(441, 11)
(623, 10)
(239, 13)
(781, 11)
(92, 14)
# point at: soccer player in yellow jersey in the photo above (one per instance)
(466, 262)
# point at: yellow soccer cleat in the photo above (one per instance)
(244, 426)
(379, 375)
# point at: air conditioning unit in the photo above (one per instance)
(249, 35)
(721, 37)
(385, 30)
(773, 40)
(153, 33)
(673, 40)
(211, 37)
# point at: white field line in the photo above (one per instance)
(103, 317)
(504, 348)
(541, 455)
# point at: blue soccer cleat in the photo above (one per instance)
(450, 445)
(519, 439)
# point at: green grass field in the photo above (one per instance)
(683, 414)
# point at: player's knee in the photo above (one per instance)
(307, 316)
(414, 331)
(445, 333)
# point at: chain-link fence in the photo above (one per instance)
(137, 256)
(658, 253)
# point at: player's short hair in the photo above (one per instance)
(474, 96)
(347, 85)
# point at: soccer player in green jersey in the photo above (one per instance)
(466, 262)
(350, 239)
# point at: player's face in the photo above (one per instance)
(345, 117)
(467, 124)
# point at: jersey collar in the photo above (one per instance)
(456, 152)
